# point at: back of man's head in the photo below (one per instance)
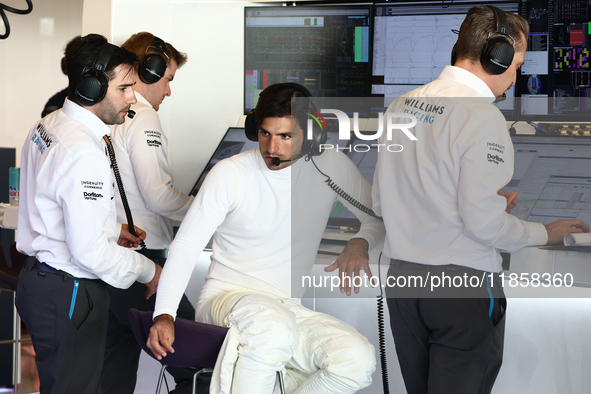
(81, 54)
(275, 102)
(142, 44)
(479, 23)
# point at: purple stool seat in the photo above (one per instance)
(196, 344)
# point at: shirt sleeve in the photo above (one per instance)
(84, 191)
(218, 196)
(356, 186)
(486, 166)
(147, 147)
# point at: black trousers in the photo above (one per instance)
(449, 340)
(67, 320)
(122, 352)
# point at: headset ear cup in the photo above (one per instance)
(497, 55)
(92, 88)
(250, 126)
(319, 137)
(454, 54)
(152, 68)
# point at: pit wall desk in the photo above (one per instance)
(547, 335)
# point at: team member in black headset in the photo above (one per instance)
(67, 221)
(444, 216)
(141, 148)
(267, 209)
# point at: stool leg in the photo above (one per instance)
(16, 348)
(281, 385)
(161, 378)
(196, 375)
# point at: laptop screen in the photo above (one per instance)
(234, 142)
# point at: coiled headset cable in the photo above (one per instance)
(4, 7)
(381, 330)
(121, 190)
(344, 194)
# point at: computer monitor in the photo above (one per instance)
(413, 43)
(233, 142)
(555, 81)
(552, 177)
(325, 48)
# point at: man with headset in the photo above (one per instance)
(267, 209)
(141, 149)
(67, 221)
(454, 219)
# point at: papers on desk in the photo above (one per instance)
(577, 240)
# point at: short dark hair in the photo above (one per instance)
(479, 22)
(140, 42)
(275, 102)
(81, 53)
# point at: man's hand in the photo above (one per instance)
(161, 336)
(506, 194)
(153, 284)
(129, 240)
(350, 262)
(559, 228)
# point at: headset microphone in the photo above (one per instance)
(130, 113)
(276, 161)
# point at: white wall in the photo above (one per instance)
(30, 58)
(207, 93)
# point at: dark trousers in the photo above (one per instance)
(68, 326)
(448, 340)
(122, 353)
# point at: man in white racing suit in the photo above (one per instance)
(267, 209)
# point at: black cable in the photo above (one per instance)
(381, 332)
(443, 5)
(512, 130)
(344, 194)
(4, 7)
(121, 190)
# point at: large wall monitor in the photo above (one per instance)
(327, 49)
(555, 81)
(413, 43)
(553, 178)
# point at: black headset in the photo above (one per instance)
(497, 53)
(94, 82)
(309, 147)
(153, 65)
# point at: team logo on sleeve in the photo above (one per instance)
(41, 138)
(93, 190)
(154, 138)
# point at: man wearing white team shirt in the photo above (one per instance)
(141, 148)
(67, 221)
(444, 212)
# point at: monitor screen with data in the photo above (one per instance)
(555, 81)
(325, 48)
(407, 55)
